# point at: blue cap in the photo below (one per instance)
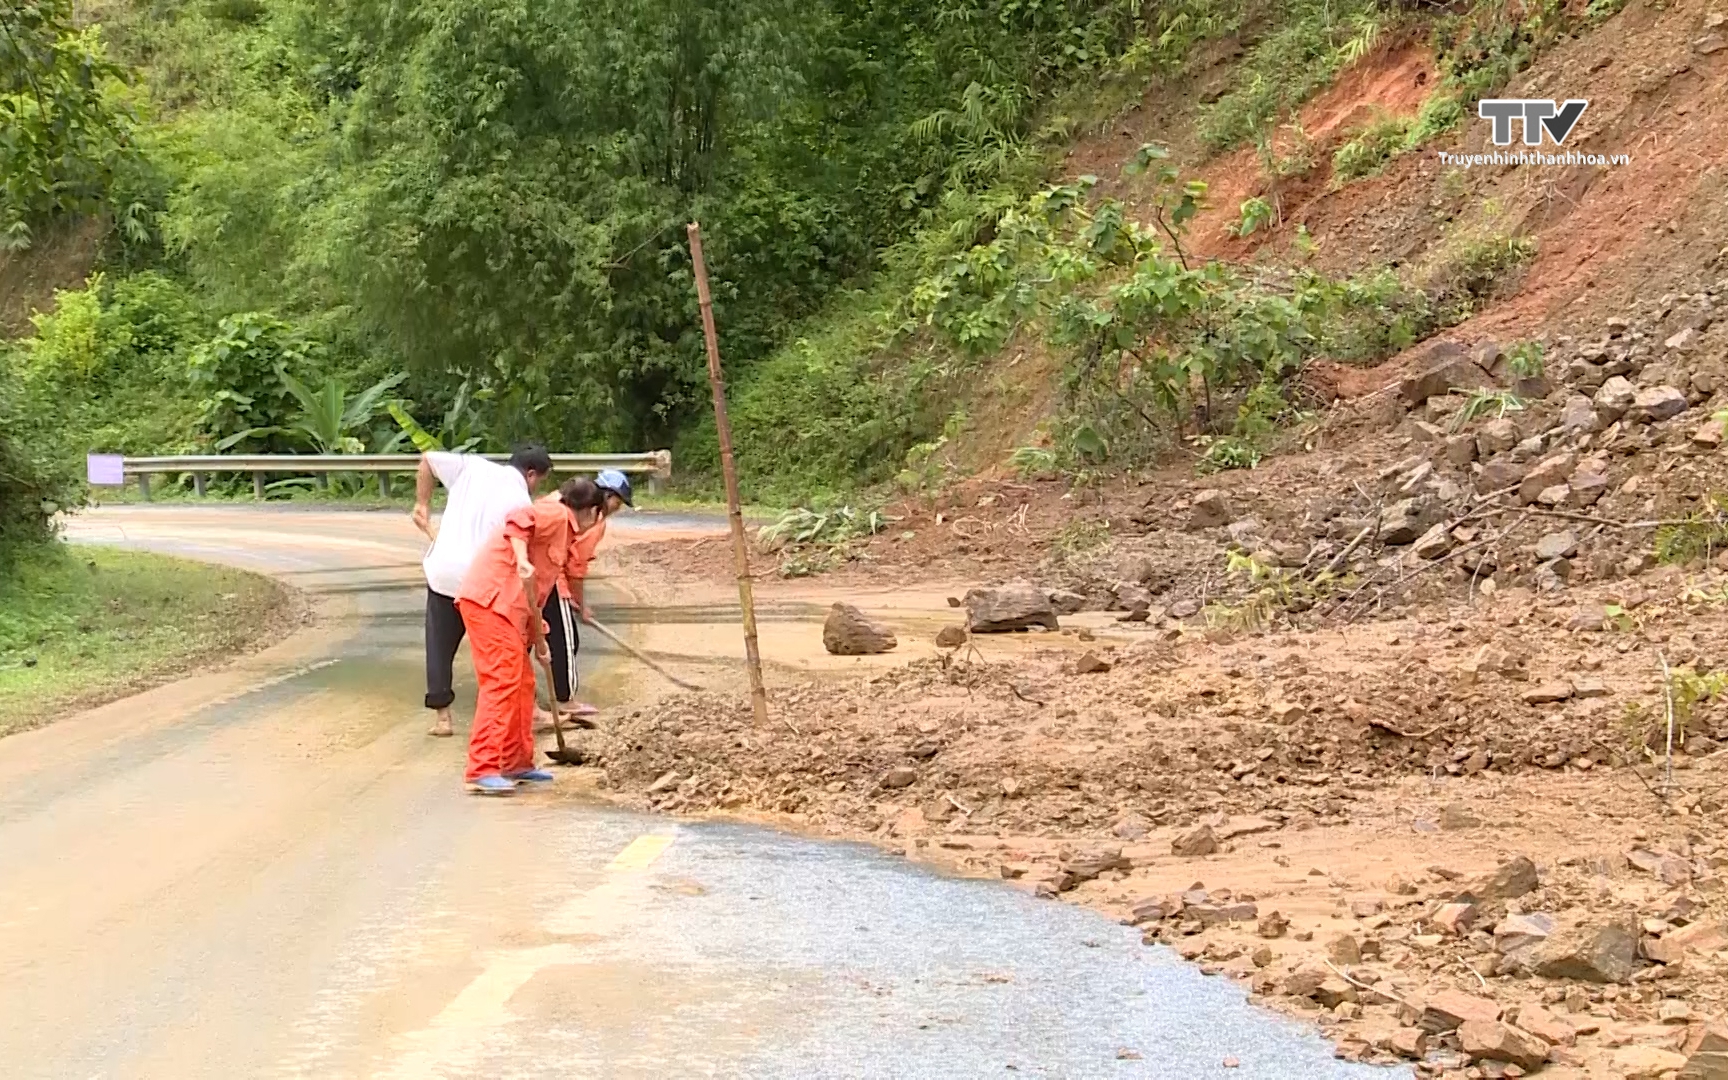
(614, 481)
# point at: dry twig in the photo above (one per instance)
(1474, 972)
(1384, 726)
(1668, 697)
(1360, 985)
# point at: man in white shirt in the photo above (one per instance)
(482, 494)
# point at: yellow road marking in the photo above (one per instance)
(453, 1040)
(641, 852)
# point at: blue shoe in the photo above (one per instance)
(492, 785)
(532, 776)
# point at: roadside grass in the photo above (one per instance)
(83, 624)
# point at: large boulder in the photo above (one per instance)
(1600, 954)
(1578, 415)
(1549, 472)
(1656, 403)
(849, 632)
(1490, 1040)
(1614, 398)
(1511, 880)
(1496, 437)
(1441, 368)
(1406, 519)
(1209, 509)
(1017, 605)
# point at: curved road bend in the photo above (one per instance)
(269, 871)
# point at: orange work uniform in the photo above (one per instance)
(581, 554)
(496, 608)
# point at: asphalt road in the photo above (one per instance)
(270, 871)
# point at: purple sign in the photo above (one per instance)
(105, 470)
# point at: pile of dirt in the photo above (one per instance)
(1172, 780)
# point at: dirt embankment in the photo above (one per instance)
(1304, 722)
(1417, 729)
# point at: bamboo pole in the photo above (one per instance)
(728, 470)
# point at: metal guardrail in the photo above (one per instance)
(655, 464)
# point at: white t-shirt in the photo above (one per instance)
(482, 494)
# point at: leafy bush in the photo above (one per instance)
(1155, 343)
(1524, 359)
(1367, 153)
(1255, 214)
(105, 369)
(246, 406)
(1474, 269)
(1228, 452)
(36, 479)
(1702, 534)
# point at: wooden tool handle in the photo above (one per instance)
(638, 654)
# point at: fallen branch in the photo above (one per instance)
(1384, 726)
(1668, 696)
(955, 803)
(1574, 515)
(1372, 989)
(1338, 559)
(1442, 560)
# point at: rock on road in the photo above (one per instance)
(270, 871)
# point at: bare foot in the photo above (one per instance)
(441, 725)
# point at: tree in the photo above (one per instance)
(64, 130)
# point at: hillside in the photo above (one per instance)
(1386, 679)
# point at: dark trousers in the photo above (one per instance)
(444, 630)
(562, 641)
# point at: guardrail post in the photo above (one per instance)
(257, 485)
(323, 481)
(384, 483)
(144, 486)
(198, 484)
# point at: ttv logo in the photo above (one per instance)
(1535, 115)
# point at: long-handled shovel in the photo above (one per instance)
(638, 654)
(563, 755)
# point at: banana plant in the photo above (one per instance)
(328, 417)
(457, 428)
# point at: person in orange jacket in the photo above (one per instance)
(507, 584)
(567, 606)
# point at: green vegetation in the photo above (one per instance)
(1368, 153)
(1524, 359)
(1157, 347)
(1308, 44)
(1263, 593)
(1483, 402)
(810, 541)
(80, 624)
(1255, 214)
(1472, 270)
(1480, 50)
(68, 125)
(368, 225)
(1702, 535)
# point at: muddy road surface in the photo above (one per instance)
(269, 870)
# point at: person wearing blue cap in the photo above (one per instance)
(564, 611)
